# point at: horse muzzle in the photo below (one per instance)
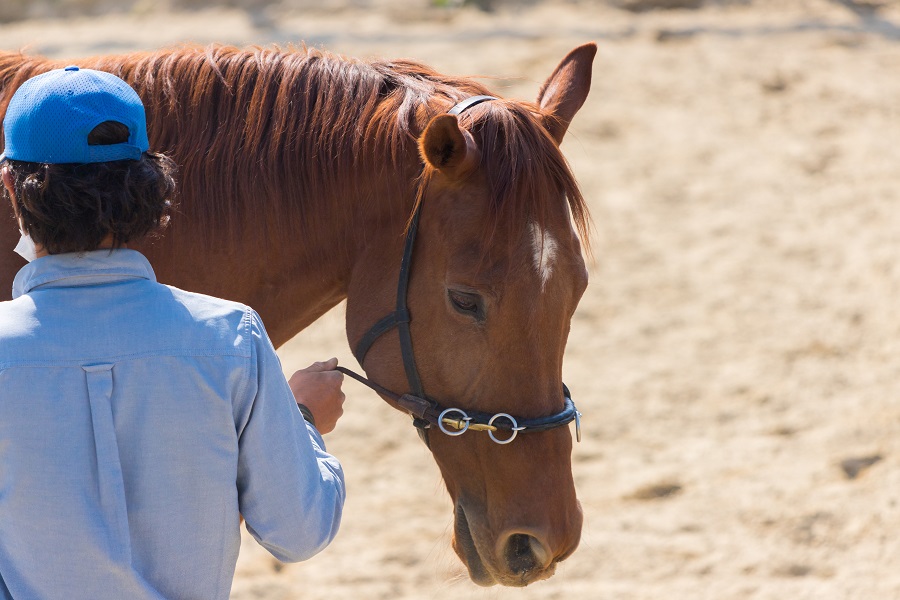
(513, 557)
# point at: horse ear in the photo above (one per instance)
(448, 148)
(566, 90)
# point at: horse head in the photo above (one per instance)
(495, 277)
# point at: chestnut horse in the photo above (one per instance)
(299, 172)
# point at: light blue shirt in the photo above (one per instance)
(137, 422)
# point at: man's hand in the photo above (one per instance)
(318, 387)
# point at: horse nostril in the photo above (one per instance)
(524, 553)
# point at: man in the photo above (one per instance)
(137, 421)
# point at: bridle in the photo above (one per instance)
(426, 412)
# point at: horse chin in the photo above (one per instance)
(464, 545)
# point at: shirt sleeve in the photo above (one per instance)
(290, 490)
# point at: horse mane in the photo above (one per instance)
(285, 127)
(292, 125)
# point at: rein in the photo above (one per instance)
(426, 412)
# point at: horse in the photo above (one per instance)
(302, 175)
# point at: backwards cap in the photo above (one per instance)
(50, 116)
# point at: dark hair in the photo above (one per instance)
(74, 207)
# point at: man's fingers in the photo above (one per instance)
(327, 365)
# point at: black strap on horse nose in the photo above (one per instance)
(430, 414)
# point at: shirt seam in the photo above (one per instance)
(247, 325)
(119, 358)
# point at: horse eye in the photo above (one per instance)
(466, 303)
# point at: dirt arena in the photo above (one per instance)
(737, 354)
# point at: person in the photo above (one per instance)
(138, 422)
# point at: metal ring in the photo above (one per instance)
(515, 428)
(465, 418)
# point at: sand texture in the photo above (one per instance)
(737, 353)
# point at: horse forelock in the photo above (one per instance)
(527, 175)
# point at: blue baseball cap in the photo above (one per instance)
(50, 116)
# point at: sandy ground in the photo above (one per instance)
(739, 345)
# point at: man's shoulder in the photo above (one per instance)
(141, 317)
(215, 316)
(16, 317)
(203, 306)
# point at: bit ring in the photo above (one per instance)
(465, 418)
(515, 428)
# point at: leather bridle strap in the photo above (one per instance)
(402, 312)
(433, 414)
(399, 318)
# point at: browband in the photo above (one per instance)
(469, 103)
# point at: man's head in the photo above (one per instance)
(76, 164)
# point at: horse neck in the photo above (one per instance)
(315, 273)
(290, 277)
(317, 201)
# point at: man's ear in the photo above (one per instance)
(7, 176)
(9, 183)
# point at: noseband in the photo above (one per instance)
(426, 412)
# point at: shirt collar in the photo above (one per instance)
(82, 268)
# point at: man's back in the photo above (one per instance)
(137, 421)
